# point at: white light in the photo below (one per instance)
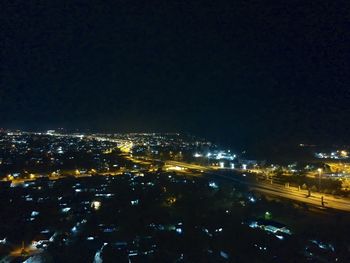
(134, 202)
(213, 185)
(244, 166)
(66, 209)
(222, 164)
(34, 213)
(96, 205)
(252, 199)
(279, 237)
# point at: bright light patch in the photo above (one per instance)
(96, 205)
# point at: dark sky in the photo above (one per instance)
(239, 72)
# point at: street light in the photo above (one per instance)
(319, 170)
(344, 154)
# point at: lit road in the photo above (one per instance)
(19, 181)
(291, 193)
(301, 196)
(20, 253)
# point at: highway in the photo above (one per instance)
(264, 187)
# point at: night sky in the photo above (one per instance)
(237, 72)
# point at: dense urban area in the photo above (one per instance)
(148, 197)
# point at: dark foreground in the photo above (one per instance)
(163, 217)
